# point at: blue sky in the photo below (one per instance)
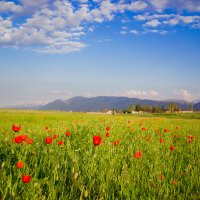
(60, 49)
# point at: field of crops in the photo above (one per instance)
(58, 155)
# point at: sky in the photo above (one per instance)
(57, 49)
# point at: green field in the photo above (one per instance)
(80, 170)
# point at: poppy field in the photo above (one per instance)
(58, 155)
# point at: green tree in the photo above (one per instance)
(138, 107)
(172, 107)
(191, 107)
(130, 108)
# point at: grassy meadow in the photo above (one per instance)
(137, 157)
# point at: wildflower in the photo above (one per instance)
(18, 140)
(48, 140)
(138, 154)
(97, 140)
(162, 140)
(147, 138)
(29, 141)
(26, 178)
(67, 133)
(107, 134)
(23, 137)
(190, 137)
(55, 136)
(16, 128)
(172, 148)
(174, 182)
(166, 130)
(144, 129)
(116, 142)
(107, 128)
(162, 177)
(19, 165)
(60, 142)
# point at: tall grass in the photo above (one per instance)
(80, 170)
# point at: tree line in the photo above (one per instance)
(172, 107)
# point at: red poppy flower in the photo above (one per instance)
(166, 130)
(107, 128)
(107, 134)
(147, 138)
(162, 177)
(55, 136)
(29, 141)
(16, 128)
(172, 148)
(174, 182)
(26, 178)
(68, 133)
(116, 142)
(60, 142)
(18, 140)
(162, 140)
(190, 141)
(19, 165)
(46, 128)
(144, 129)
(23, 137)
(97, 140)
(48, 140)
(138, 154)
(190, 137)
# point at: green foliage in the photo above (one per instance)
(80, 170)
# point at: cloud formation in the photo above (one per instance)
(186, 95)
(58, 26)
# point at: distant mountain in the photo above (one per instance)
(55, 105)
(99, 103)
(104, 102)
(196, 101)
(196, 106)
(180, 101)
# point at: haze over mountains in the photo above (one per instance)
(99, 103)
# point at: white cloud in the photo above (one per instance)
(58, 26)
(140, 17)
(137, 6)
(186, 95)
(151, 94)
(155, 20)
(134, 32)
(153, 23)
(9, 7)
(188, 5)
(161, 32)
(159, 4)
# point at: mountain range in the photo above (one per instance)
(99, 103)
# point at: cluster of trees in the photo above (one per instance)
(172, 107)
(145, 108)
